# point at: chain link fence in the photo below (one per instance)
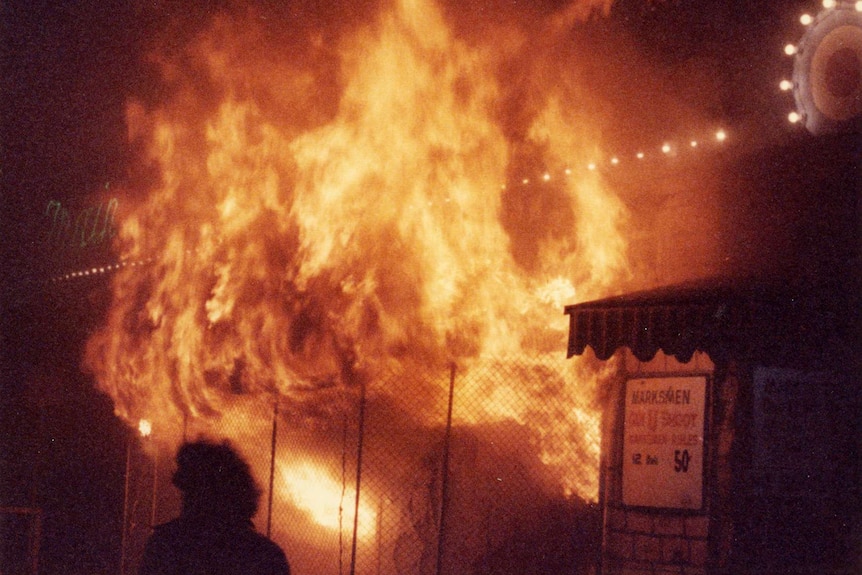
(490, 467)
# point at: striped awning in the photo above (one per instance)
(775, 325)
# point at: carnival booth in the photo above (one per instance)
(729, 436)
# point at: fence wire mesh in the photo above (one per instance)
(490, 467)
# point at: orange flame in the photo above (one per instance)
(302, 230)
(321, 495)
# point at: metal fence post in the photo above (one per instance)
(444, 486)
(343, 492)
(124, 534)
(361, 433)
(272, 467)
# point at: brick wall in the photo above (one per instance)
(649, 543)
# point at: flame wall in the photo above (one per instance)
(310, 214)
(320, 199)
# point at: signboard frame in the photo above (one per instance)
(664, 443)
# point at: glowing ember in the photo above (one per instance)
(303, 232)
(145, 428)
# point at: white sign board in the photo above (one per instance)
(663, 430)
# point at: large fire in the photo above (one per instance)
(316, 207)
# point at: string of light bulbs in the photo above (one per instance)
(666, 149)
(99, 270)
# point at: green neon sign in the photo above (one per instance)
(89, 227)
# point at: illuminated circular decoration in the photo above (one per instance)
(827, 71)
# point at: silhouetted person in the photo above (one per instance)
(214, 534)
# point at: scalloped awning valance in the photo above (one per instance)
(770, 324)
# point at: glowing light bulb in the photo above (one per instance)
(806, 19)
(665, 148)
(785, 85)
(568, 171)
(829, 4)
(858, 5)
(790, 49)
(546, 177)
(640, 155)
(525, 181)
(591, 166)
(794, 117)
(721, 135)
(615, 161)
(693, 143)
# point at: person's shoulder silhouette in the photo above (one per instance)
(214, 534)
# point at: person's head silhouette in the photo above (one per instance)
(215, 482)
(214, 533)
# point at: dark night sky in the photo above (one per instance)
(66, 71)
(68, 68)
